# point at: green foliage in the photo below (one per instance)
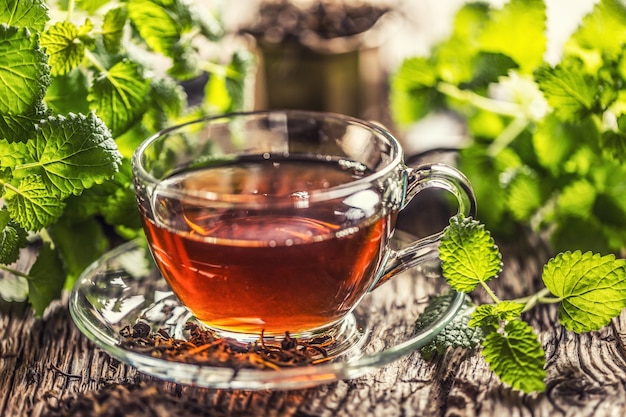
(78, 95)
(456, 334)
(542, 132)
(42, 287)
(589, 288)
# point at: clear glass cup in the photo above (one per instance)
(271, 222)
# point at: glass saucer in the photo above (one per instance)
(124, 287)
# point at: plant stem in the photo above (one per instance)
(92, 58)
(27, 166)
(508, 135)
(219, 70)
(491, 294)
(9, 186)
(70, 9)
(540, 297)
(498, 107)
(14, 271)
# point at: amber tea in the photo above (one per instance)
(295, 266)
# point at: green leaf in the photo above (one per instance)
(32, 205)
(468, 254)
(12, 238)
(455, 58)
(185, 64)
(113, 29)
(516, 356)
(91, 6)
(63, 46)
(216, 94)
(46, 279)
(158, 26)
(18, 128)
(591, 288)
(68, 93)
(457, 334)
(607, 208)
(119, 96)
(524, 197)
(169, 97)
(518, 30)
(614, 142)
(489, 316)
(32, 14)
(413, 92)
(485, 173)
(24, 71)
(570, 92)
(237, 72)
(114, 201)
(572, 233)
(607, 16)
(577, 199)
(488, 68)
(70, 153)
(553, 142)
(167, 102)
(78, 244)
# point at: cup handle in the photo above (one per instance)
(426, 249)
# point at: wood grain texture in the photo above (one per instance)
(47, 368)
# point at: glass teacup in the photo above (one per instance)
(280, 221)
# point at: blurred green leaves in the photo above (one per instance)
(79, 93)
(548, 140)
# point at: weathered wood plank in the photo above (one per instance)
(47, 366)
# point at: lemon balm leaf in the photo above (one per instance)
(490, 315)
(24, 71)
(614, 142)
(70, 153)
(413, 93)
(91, 6)
(570, 92)
(32, 205)
(119, 96)
(68, 93)
(113, 29)
(17, 128)
(524, 196)
(457, 334)
(156, 25)
(577, 199)
(468, 254)
(518, 31)
(32, 14)
(46, 279)
(12, 238)
(591, 287)
(62, 44)
(516, 356)
(607, 16)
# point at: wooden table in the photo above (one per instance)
(47, 367)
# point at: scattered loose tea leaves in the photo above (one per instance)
(203, 347)
(130, 399)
